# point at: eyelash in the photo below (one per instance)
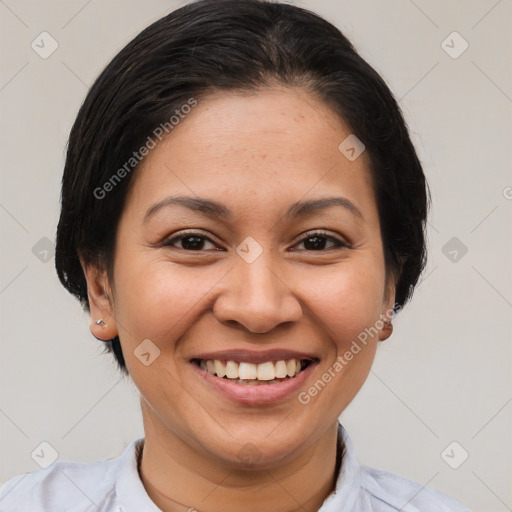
(311, 234)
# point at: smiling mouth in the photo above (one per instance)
(240, 372)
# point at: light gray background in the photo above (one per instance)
(445, 375)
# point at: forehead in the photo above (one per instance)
(256, 148)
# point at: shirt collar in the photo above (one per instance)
(346, 493)
(132, 495)
(130, 491)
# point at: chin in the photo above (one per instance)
(259, 445)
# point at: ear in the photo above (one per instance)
(387, 312)
(101, 302)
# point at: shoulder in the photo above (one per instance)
(402, 494)
(63, 486)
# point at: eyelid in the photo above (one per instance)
(341, 241)
(188, 232)
(326, 234)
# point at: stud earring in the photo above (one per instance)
(100, 322)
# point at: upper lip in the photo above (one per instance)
(256, 357)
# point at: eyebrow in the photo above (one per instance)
(214, 209)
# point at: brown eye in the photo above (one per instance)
(317, 241)
(190, 242)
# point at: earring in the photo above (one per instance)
(100, 322)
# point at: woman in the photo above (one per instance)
(243, 214)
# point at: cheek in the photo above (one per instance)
(346, 301)
(346, 305)
(156, 299)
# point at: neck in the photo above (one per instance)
(179, 479)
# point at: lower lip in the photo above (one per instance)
(259, 394)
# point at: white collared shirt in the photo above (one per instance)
(114, 485)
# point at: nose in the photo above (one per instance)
(256, 296)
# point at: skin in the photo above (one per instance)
(257, 154)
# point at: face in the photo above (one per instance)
(251, 267)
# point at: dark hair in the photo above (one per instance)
(234, 45)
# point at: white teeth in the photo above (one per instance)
(291, 366)
(243, 371)
(281, 370)
(231, 370)
(247, 371)
(220, 368)
(266, 371)
(210, 366)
